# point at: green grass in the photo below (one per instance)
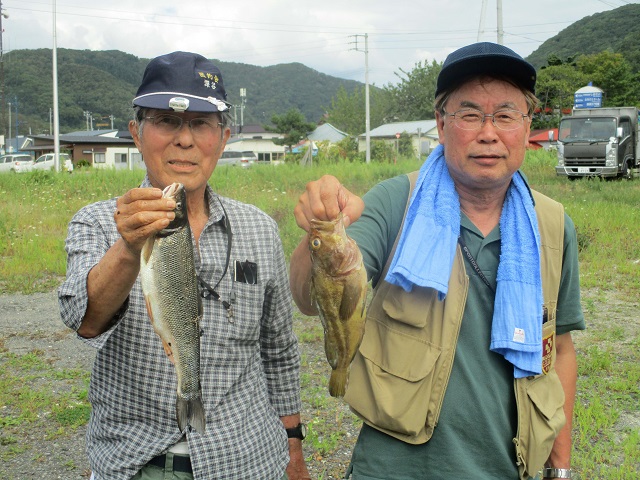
(37, 207)
(28, 401)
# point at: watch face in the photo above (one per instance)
(303, 430)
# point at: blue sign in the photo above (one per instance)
(587, 100)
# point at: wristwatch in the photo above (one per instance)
(556, 472)
(299, 431)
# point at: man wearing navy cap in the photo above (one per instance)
(466, 369)
(249, 359)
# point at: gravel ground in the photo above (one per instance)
(31, 323)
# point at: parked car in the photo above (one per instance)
(45, 162)
(16, 163)
(243, 159)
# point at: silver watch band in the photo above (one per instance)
(556, 473)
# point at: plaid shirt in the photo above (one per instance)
(249, 363)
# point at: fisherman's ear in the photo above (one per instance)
(133, 130)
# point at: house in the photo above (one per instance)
(323, 133)
(423, 133)
(540, 138)
(17, 144)
(254, 138)
(100, 148)
(327, 133)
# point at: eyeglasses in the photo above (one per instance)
(169, 124)
(472, 119)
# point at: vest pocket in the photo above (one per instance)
(396, 372)
(545, 418)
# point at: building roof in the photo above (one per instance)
(326, 131)
(93, 133)
(389, 130)
(542, 135)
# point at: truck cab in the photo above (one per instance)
(598, 142)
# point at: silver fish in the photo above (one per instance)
(170, 288)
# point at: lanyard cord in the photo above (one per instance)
(208, 289)
(474, 264)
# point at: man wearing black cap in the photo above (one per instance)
(249, 359)
(466, 368)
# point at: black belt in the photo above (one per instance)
(181, 463)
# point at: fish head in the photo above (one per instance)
(177, 193)
(330, 246)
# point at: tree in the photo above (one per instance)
(292, 125)
(348, 111)
(556, 86)
(413, 97)
(613, 74)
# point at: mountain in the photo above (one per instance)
(105, 82)
(617, 31)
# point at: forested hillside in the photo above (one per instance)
(104, 82)
(616, 31)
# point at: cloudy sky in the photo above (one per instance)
(326, 35)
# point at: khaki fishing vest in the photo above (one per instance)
(399, 375)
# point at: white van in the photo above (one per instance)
(45, 162)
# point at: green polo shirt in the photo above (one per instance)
(473, 438)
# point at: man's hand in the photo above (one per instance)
(324, 199)
(140, 213)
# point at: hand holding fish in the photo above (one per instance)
(141, 213)
(324, 199)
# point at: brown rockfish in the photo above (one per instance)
(339, 290)
(170, 288)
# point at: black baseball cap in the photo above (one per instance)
(182, 81)
(485, 58)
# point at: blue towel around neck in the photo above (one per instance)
(427, 248)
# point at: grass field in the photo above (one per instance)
(36, 208)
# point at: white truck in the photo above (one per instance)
(599, 142)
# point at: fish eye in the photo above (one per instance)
(315, 243)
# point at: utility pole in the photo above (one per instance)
(483, 13)
(2, 115)
(500, 29)
(9, 137)
(366, 92)
(56, 115)
(243, 101)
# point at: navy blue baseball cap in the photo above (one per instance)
(485, 58)
(182, 82)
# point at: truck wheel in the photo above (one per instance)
(628, 173)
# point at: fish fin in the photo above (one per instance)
(197, 417)
(169, 351)
(330, 350)
(190, 412)
(149, 310)
(338, 382)
(351, 297)
(147, 249)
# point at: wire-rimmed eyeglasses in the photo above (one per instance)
(167, 123)
(472, 119)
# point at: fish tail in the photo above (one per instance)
(338, 382)
(190, 412)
